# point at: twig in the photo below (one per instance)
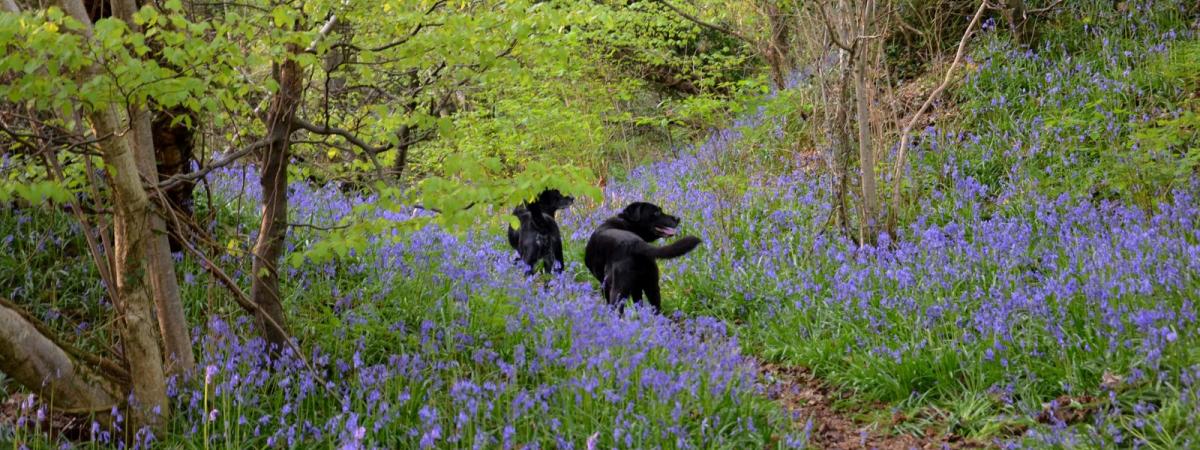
(318, 227)
(240, 297)
(1044, 9)
(101, 261)
(369, 149)
(898, 170)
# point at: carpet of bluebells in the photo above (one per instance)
(1008, 298)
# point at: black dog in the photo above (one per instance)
(538, 239)
(620, 255)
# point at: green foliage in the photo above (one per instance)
(1164, 154)
(533, 116)
(1095, 96)
(473, 182)
(665, 49)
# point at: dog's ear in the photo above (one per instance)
(635, 212)
(549, 197)
(521, 212)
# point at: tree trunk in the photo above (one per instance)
(37, 363)
(133, 221)
(173, 150)
(264, 290)
(172, 322)
(840, 140)
(866, 154)
(134, 240)
(1016, 14)
(406, 132)
(403, 135)
(775, 48)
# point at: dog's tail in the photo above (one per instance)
(673, 250)
(513, 237)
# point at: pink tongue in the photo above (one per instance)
(666, 231)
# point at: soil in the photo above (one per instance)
(806, 398)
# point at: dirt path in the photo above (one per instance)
(806, 397)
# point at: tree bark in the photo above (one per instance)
(173, 154)
(866, 153)
(265, 290)
(840, 141)
(134, 239)
(133, 220)
(774, 50)
(405, 134)
(34, 361)
(172, 321)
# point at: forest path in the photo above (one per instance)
(806, 397)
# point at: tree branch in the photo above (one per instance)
(344, 134)
(1049, 7)
(239, 296)
(704, 24)
(230, 158)
(401, 41)
(328, 27)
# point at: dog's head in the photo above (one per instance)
(648, 221)
(550, 200)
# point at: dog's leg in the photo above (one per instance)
(558, 263)
(615, 298)
(530, 263)
(654, 296)
(606, 287)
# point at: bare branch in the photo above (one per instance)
(834, 35)
(230, 158)
(238, 295)
(318, 227)
(1047, 8)
(402, 40)
(344, 134)
(898, 170)
(98, 254)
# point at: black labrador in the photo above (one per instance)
(538, 239)
(620, 256)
